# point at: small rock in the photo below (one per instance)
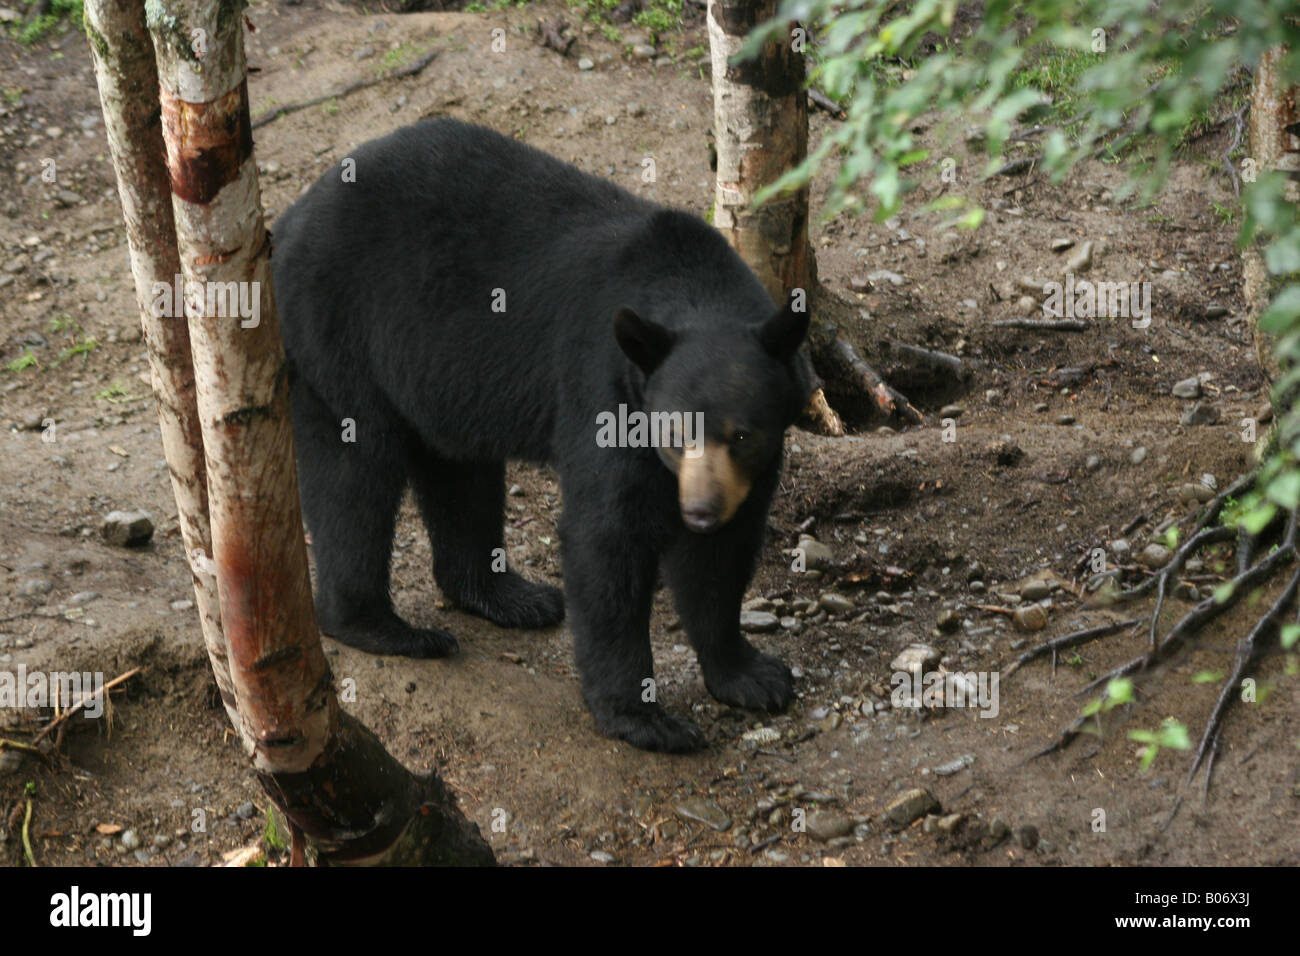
(1120, 548)
(1029, 617)
(1081, 259)
(948, 621)
(952, 411)
(1154, 556)
(758, 622)
(1027, 836)
(703, 810)
(1202, 413)
(1036, 590)
(66, 198)
(1093, 463)
(82, 598)
(585, 63)
(835, 603)
(816, 554)
(885, 275)
(246, 810)
(1065, 419)
(758, 604)
(130, 840)
(1026, 304)
(1139, 455)
(1187, 388)
(998, 831)
(603, 856)
(950, 823)
(910, 806)
(127, 528)
(1060, 245)
(915, 658)
(826, 825)
(515, 491)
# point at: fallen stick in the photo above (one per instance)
(82, 703)
(824, 102)
(1043, 325)
(938, 361)
(275, 113)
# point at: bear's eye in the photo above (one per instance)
(738, 438)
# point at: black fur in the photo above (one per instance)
(385, 288)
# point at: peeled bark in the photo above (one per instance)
(760, 129)
(128, 84)
(1274, 115)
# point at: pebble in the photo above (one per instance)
(1195, 491)
(246, 810)
(1065, 420)
(1036, 590)
(130, 840)
(952, 411)
(1030, 617)
(824, 825)
(758, 622)
(885, 275)
(1202, 413)
(816, 555)
(603, 856)
(703, 810)
(1139, 455)
(1120, 548)
(758, 604)
(126, 528)
(1154, 556)
(515, 491)
(1187, 388)
(83, 597)
(1060, 245)
(910, 806)
(954, 766)
(1093, 463)
(586, 63)
(915, 658)
(835, 603)
(1081, 259)
(1026, 304)
(948, 621)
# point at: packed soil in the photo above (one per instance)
(1061, 442)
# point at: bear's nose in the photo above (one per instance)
(702, 520)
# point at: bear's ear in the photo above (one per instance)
(784, 332)
(645, 342)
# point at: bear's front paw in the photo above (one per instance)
(649, 727)
(760, 682)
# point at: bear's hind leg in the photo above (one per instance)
(463, 507)
(350, 495)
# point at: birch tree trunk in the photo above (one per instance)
(760, 130)
(128, 84)
(346, 799)
(1274, 113)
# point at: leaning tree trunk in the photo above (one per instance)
(760, 128)
(345, 797)
(127, 78)
(1274, 146)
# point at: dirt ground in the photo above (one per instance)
(1063, 440)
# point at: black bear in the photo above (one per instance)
(465, 299)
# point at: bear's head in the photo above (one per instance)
(719, 396)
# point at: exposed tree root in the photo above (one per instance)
(1252, 572)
